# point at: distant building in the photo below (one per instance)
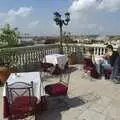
(102, 38)
(26, 37)
(45, 40)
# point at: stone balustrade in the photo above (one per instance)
(99, 49)
(32, 54)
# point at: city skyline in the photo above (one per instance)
(87, 16)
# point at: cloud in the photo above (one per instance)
(33, 24)
(91, 26)
(80, 8)
(82, 5)
(84, 13)
(12, 14)
(110, 5)
(24, 11)
(86, 5)
(2, 15)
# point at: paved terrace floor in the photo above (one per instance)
(87, 100)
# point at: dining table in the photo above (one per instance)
(25, 77)
(57, 59)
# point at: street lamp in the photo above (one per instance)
(60, 22)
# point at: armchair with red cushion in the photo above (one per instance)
(56, 89)
(89, 67)
(61, 87)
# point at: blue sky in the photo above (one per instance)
(87, 16)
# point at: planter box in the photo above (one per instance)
(72, 59)
(4, 74)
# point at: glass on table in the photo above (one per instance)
(17, 74)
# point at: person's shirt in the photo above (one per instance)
(113, 58)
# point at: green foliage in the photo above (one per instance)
(8, 58)
(9, 35)
(1, 84)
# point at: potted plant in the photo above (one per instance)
(72, 58)
(7, 66)
(9, 38)
(71, 55)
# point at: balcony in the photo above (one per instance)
(25, 56)
(88, 99)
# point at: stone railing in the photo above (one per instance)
(27, 55)
(99, 49)
(34, 54)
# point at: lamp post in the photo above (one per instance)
(60, 22)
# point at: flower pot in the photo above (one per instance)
(4, 74)
(72, 59)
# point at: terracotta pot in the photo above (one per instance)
(4, 74)
(72, 59)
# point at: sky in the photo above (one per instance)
(87, 16)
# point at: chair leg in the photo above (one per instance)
(10, 118)
(36, 118)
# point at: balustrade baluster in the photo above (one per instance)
(27, 55)
(101, 51)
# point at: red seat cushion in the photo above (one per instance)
(109, 71)
(56, 89)
(6, 107)
(22, 105)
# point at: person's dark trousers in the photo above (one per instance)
(116, 69)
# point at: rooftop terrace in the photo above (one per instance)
(88, 99)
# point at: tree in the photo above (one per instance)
(9, 35)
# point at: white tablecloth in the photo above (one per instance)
(59, 59)
(27, 77)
